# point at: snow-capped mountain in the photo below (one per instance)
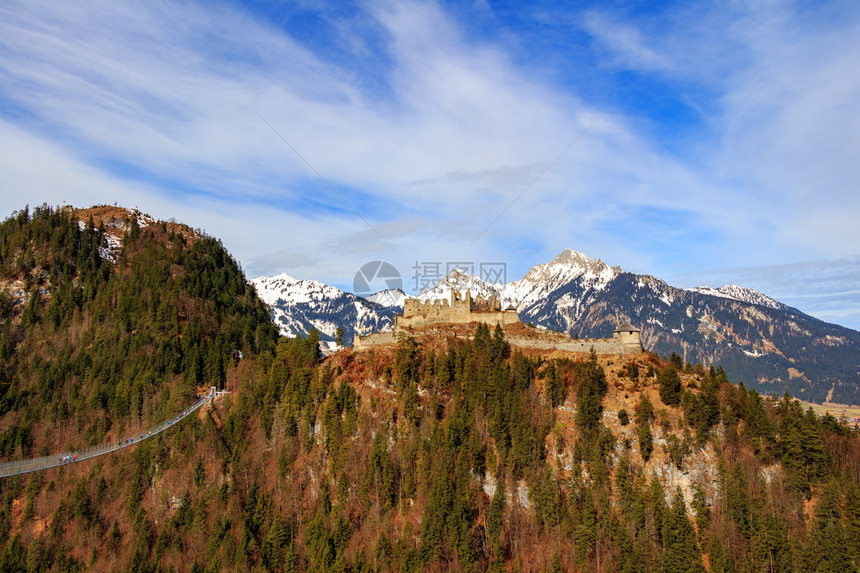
(548, 277)
(535, 286)
(757, 340)
(299, 305)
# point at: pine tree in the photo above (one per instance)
(496, 516)
(681, 553)
(646, 441)
(501, 350)
(586, 531)
(644, 411)
(827, 550)
(555, 388)
(852, 522)
(670, 386)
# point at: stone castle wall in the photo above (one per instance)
(461, 310)
(375, 339)
(600, 345)
(612, 345)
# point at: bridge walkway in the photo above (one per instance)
(56, 460)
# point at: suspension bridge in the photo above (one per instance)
(71, 457)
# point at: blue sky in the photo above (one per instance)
(712, 143)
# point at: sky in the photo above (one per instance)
(701, 143)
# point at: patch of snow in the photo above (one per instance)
(741, 294)
(830, 340)
(565, 301)
(111, 252)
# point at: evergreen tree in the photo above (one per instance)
(646, 441)
(496, 516)
(827, 544)
(644, 411)
(586, 531)
(852, 522)
(556, 391)
(592, 390)
(681, 553)
(670, 386)
(501, 350)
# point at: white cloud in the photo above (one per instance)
(793, 122)
(626, 43)
(156, 105)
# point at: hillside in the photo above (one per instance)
(450, 451)
(113, 320)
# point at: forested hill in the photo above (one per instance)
(441, 453)
(111, 321)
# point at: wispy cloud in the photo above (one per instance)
(625, 43)
(430, 119)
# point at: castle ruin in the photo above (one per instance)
(463, 309)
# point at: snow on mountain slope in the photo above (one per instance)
(742, 294)
(388, 297)
(562, 270)
(299, 305)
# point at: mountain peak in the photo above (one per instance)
(458, 273)
(388, 298)
(282, 277)
(578, 262)
(571, 257)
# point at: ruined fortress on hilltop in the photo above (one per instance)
(463, 309)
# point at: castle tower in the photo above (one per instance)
(629, 337)
(461, 306)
